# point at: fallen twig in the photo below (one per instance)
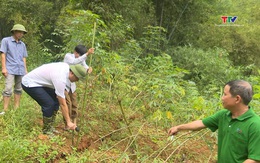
(181, 145)
(115, 145)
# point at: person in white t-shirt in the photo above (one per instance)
(46, 85)
(79, 56)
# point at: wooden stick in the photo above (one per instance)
(93, 41)
(86, 82)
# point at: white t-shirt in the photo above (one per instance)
(52, 75)
(71, 60)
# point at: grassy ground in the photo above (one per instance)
(104, 137)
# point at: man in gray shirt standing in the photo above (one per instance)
(13, 55)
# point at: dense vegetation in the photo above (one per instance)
(157, 63)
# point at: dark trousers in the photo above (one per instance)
(45, 97)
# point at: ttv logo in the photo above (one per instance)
(228, 19)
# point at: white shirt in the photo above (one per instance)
(71, 60)
(52, 75)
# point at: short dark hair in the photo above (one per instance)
(81, 49)
(241, 88)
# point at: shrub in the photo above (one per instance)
(208, 68)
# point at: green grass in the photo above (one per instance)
(20, 130)
(104, 135)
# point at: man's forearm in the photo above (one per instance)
(3, 60)
(25, 65)
(64, 109)
(251, 161)
(195, 125)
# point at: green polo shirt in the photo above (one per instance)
(239, 138)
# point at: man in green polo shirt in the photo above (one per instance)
(238, 126)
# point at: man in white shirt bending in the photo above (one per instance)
(46, 85)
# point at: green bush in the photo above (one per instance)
(209, 69)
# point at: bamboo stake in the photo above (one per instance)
(86, 82)
(123, 113)
(126, 122)
(90, 61)
(93, 41)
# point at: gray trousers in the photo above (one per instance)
(9, 81)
